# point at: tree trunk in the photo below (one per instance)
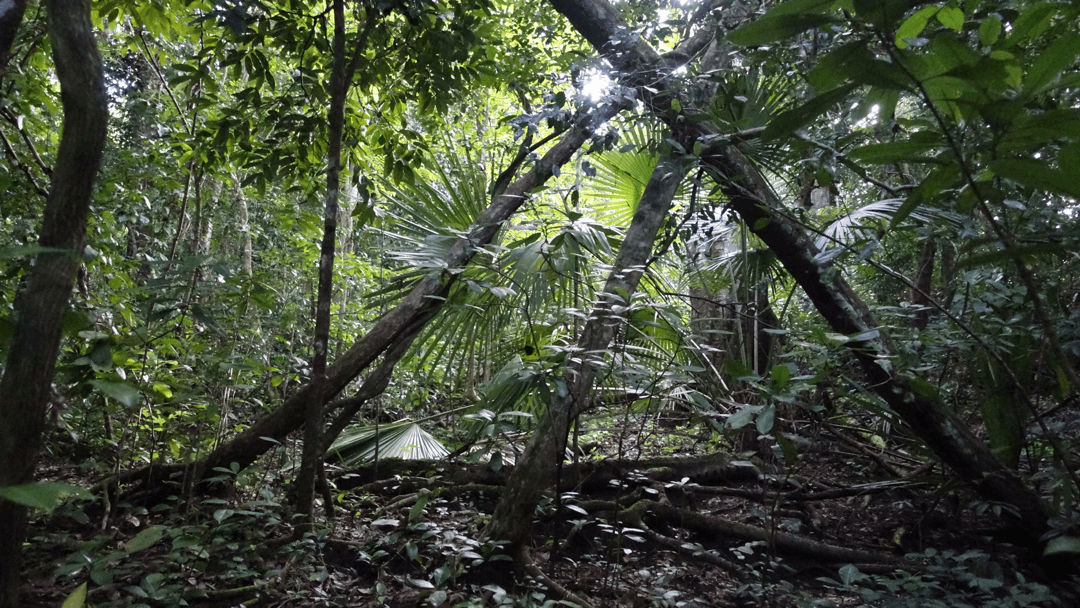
(415, 309)
(924, 285)
(311, 459)
(10, 19)
(749, 195)
(535, 471)
(245, 227)
(39, 306)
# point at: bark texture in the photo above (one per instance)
(10, 19)
(535, 471)
(24, 388)
(924, 283)
(311, 458)
(749, 196)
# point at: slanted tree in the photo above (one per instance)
(751, 198)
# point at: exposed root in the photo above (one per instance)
(689, 550)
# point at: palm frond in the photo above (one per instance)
(405, 439)
(852, 225)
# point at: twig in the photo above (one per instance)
(22, 166)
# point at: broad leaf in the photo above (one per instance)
(43, 495)
(1050, 63)
(914, 25)
(144, 539)
(120, 391)
(405, 440)
(788, 122)
(76, 599)
(771, 28)
(895, 152)
(1037, 174)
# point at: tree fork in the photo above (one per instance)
(750, 197)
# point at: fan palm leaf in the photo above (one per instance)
(852, 225)
(404, 439)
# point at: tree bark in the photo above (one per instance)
(924, 283)
(10, 19)
(535, 471)
(245, 227)
(311, 458)
(418, 307)
(750, 197)
(39, 306)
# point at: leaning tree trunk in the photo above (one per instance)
(39, 306)
(416, 309)
(749, 195)
(535, 470)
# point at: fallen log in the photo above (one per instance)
(711, 526)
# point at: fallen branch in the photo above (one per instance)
(713, 526)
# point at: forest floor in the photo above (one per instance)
(682, 531)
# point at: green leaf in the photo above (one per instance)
(43, 495)
(789, 121)
(850, 574)
(405, 440)
(796, 7)
(420, 583)
(882, 13)
(990, 31)
(742, 417)
(1037, 174)
(120, 391)
(832, 69)
(1043, 128)
(781, 375)
(28, 250)
(77, 598)
(1031, 23)
(857, 63)
(766, 419)
(1023, 252)
(952, 18)
(144, 539)
(895, 152)
(1050, 63)
(914, 25)
(1063, 544)
(770, 28)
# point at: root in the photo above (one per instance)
(555, 588)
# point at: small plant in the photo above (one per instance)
(951, 580)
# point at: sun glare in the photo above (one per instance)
(595, 85)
